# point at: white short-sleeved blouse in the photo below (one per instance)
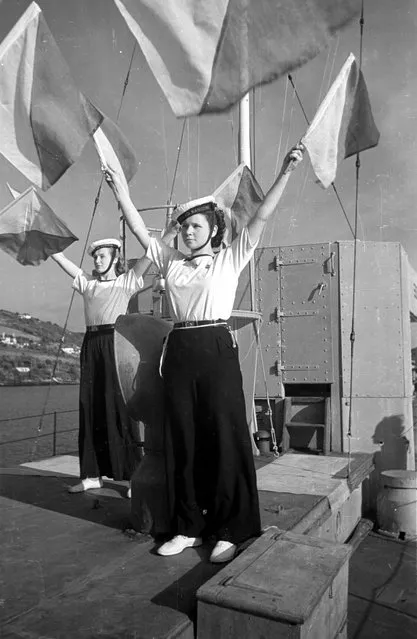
(105, 300)
(202, 288)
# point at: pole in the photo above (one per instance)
(244, 123)
(245, 156)
(244, 131)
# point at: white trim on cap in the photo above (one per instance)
(111, 241)
(183, 208)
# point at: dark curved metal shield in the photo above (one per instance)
(138, 342)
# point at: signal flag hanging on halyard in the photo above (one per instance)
(343, 125)
(239, 197)
(207, 54)
(30, 231)
(113, 148)
(44, 120)
(13, 192)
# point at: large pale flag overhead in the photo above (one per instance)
(239, 196)
(44, 120)
(207, 54)
(343, 125)
(30, 231)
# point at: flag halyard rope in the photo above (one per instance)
(354, 275)
(64, 330)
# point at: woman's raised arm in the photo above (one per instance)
(117, 183)
(69, 267)
(272, 198)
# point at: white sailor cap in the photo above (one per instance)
(109, 242)
(202, 205)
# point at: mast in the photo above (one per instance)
(244, 155)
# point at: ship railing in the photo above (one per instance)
(42, 429)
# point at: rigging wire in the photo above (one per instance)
(324, 75)
(274, 218)
(198, 155)
(64, 330)
(334, 60)
(177, 161)
(253, 128)
(298, 201)
(282, 128)
(354, 276)
(332, 184)
(164, 140)
(188, 160)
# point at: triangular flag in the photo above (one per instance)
(239, 196)
(12, 191)
(207, 55)
(44, 120)
(30, 231)
(343, 125)
(114, 149)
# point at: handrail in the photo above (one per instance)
(54, 412)
(38, 435)
(25, 439)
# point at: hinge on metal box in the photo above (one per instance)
(330, 265)
(277, 262)
(295, 314)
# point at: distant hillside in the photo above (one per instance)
(45, 331)
(30, 357)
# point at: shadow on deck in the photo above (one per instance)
(70, 570)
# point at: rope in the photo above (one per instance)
(178, 159)
(275, 217)
(234, 145)
(188, 160)
(64, 330)
(198, 155)
(253, 128)
(282, 128)
(268, 399)
(352, 331)
(333, 184)
(165, 147)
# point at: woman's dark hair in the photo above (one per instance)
(217, 220)
(119, 267)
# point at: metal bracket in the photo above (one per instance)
(277, 263)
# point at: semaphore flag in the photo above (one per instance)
(44, 120)
(113, 148)
(30, 231)
(239, 196)
(343, 125)
(207, 54)
(13, 192)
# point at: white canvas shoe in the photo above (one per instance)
(223, 551)
(89, 483)
(177, 544)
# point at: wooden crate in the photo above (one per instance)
(283, 585)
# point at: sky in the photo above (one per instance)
(98, 46)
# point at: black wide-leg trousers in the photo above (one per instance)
(208, 447)
(105, 442)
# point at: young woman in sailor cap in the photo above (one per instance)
(105, 444)
(208, 444)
